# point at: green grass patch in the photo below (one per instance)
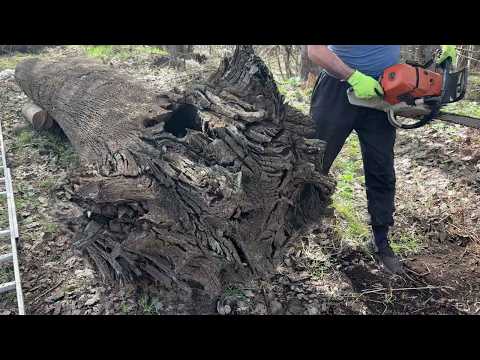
(124, 309)
(234, 291)
(49, 227)
(406, 242)
(464, 107)
(319, 262)
(348, 167)
(24, 138)
(146, 306)
(11, 61)
(48, 143)
(6, 273)
(120, 52)
(25, 197)
(46, 184)
(3, 213)
(295, 95)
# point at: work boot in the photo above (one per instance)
(387, 258)
(384, 252)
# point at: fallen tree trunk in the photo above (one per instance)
(188, 189)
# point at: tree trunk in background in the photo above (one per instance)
(419, 53)
(179, 54)
(476, 49)
(10, 49)
(462, 59)
(182, 51)
(307, 66)
(425, 52)
(191, 190)
(407, 52)
(288, 59)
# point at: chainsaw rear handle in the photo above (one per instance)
(392, 119)
(381, 105)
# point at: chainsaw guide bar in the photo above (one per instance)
(459, 119)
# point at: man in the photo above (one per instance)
(358, 66)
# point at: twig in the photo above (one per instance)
(46, 292)
(33, 289)
(406, 289)
(426, 265)
(426, 301)
(421, 275)
(466, 232)
(418, 310)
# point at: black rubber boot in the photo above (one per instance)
(384, 253)
(389, 260)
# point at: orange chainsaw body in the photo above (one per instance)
(403, 82)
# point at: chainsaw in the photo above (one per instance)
(414, 94)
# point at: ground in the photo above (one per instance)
(329, 271)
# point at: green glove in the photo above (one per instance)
(448, 51)
(364, 86)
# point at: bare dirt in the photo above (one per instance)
(438, 173)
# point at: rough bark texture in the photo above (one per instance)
(419, 53)
(307, 67)
(190, 190)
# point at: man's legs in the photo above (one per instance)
(335, 119)
(377, 139)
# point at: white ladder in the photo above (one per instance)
(6, 189)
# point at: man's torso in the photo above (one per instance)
(368, 59)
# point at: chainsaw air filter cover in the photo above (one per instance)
(403, 82)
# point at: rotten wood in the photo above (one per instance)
(191, 190)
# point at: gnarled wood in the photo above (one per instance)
(187, 189)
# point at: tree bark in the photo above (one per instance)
(288, 56)
(425, 52)
(182, 51)
(307, 67)
(191, 190)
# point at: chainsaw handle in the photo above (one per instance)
(379, 94)
(392, 119)
(381, 105)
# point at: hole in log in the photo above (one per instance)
(195, 284)
(184, 117)
(150, 122)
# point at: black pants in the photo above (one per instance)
(335, 119)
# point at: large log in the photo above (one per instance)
(191, 190)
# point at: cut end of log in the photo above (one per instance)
(37, 117)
